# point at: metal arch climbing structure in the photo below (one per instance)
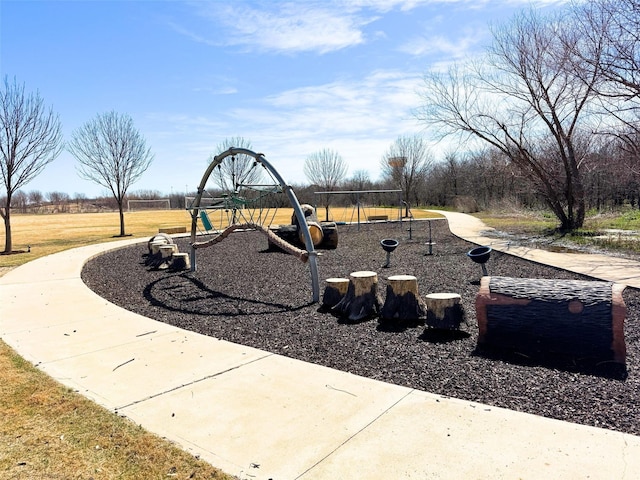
(293, 200)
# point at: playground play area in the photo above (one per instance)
(246, 292)
(456, 320)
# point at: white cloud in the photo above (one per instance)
(285, 27)
(440, 46)
(359, 119)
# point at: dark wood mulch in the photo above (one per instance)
(246, 294)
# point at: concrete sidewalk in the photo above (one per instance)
(601, 267)
(259, 415)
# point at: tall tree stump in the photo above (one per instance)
(155, 258)
(334, 291)
(168, 250)
(444, 311)
(166, 255)
(361, 301)
(578, 320)
(155, 246)
(402, 305)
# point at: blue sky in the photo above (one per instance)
(292, 77)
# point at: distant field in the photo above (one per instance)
(51, 233)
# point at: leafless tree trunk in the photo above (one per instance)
(528, 103)
(406, 164)
(326, 169)
(30, 138)
(111, 153)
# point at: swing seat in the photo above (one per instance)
(206, 223)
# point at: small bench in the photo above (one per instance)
(378, 218)
(172, 230)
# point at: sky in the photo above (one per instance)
(291, 77)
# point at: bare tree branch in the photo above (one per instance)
(240, 170)
(527, 101)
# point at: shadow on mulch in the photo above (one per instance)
(585, 366)
(435, 335)
(180, 303)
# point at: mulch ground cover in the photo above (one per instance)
(244, 293)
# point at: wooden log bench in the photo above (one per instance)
(378, 218)
(444, 311)
(172, 230)
(402, 305)
(361, 302)
(579, 320)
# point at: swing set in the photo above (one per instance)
(363, 212)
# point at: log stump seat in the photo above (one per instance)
(334, 291)
(154, 258)
(444, 311)
(361, 302)
(166, 255)
(180, 261)
(402, 306)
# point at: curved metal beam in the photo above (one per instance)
(293, 200)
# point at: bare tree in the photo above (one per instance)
(59, 201)
(360, 180)
(20, 201)
(238, 171)
(528, 103)
(35, 197)
(30, 138)
(406, 164)
(326, 169)
(611, 29)
(112, 153)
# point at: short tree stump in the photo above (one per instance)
(402, 306)
(334, 291)
(361, 301)
(444, 311)
(180, 261)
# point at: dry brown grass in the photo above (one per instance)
(47, 234)
(49, 432)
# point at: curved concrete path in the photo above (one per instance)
(602, 267)
(263, 416)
